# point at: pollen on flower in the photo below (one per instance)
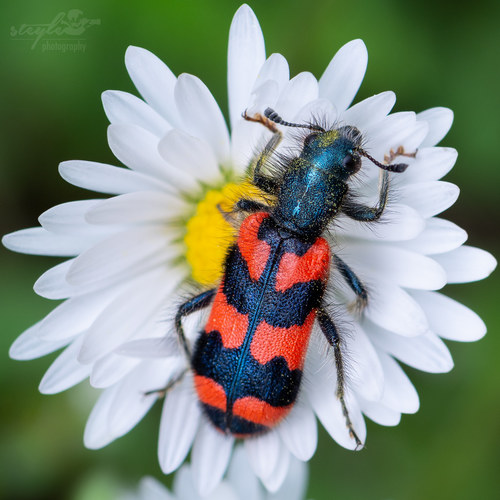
(208, 234)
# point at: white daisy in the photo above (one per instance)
(130, 254)
(240, 484)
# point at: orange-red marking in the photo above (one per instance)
(259, 412)
(269, 342)
(254, 251)
(210, 392)
(225, 318)
(313, 265)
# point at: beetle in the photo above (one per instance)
(248, 360)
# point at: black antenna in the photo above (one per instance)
(393, 167)
(274, 117)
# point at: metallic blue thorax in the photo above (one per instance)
(314, 184)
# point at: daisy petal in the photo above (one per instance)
(395, 310)
(343, 76)
(245, 485)
(104, 178)
(38, 241)
(276, 69)
(299, 432)
(439, 236)
(138, 149)
(201, 115)
(426, 352)
(297, 93)
(110, 369)
(263, 453)
(97, 433)
(163, 347)
(369, 111)
(65, 371)
(466, 264)
(245, 56)
(154, 80)
(190, 155)
(69, 218)
(294, 484)
(151, 489)
(179, 422)
(429, 198)
(210, 457)
(52, 284)
(379, 413)
(450, 319)
(399, 393)
(29, 346)
(439, 120)
(136, 208)
(122, 107)
(431, 164)
(274, 479)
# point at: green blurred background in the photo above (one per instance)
(429, 52)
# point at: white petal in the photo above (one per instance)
(365, 375)
(122, 107)
(69, 218)
(74, 315)
(297, 93)
(138, 149)
(189, 155)
(104, 178)
(431, 164)
(151, 489)
(379, 413)
(439, 120)
(295, 483)
(274, 479)
(121, 253)
(299, 432)
(38, 241)
(201, 115)
(179, 423)
(321, 392)
(395, 310)
(319, 108)
(126, 314)
(466, 264)
(399, 393)
(390, 263)
(163, 347)
(247, 140)
(246, 54)
(65, 371)
(138, 207)
(29, 346)
(429, 198)
(450, 319)
(52, 284)
(97, 433)
(369, 111)
(426, 352)
(210, 457)
(275, 68)
(132, 402)
(398, 223)
(343, 76)
(439, 236)
(154, 80)
(263, 453)
(245, 484)
(110, 369)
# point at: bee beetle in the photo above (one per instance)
(248, 361)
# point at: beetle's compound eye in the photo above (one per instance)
(309, 139)
(351, 163)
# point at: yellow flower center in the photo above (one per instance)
(208, 235)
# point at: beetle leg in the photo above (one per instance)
(330, 331)
(192, 305)
(364, 213)
(354, 283)
(262, 181)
